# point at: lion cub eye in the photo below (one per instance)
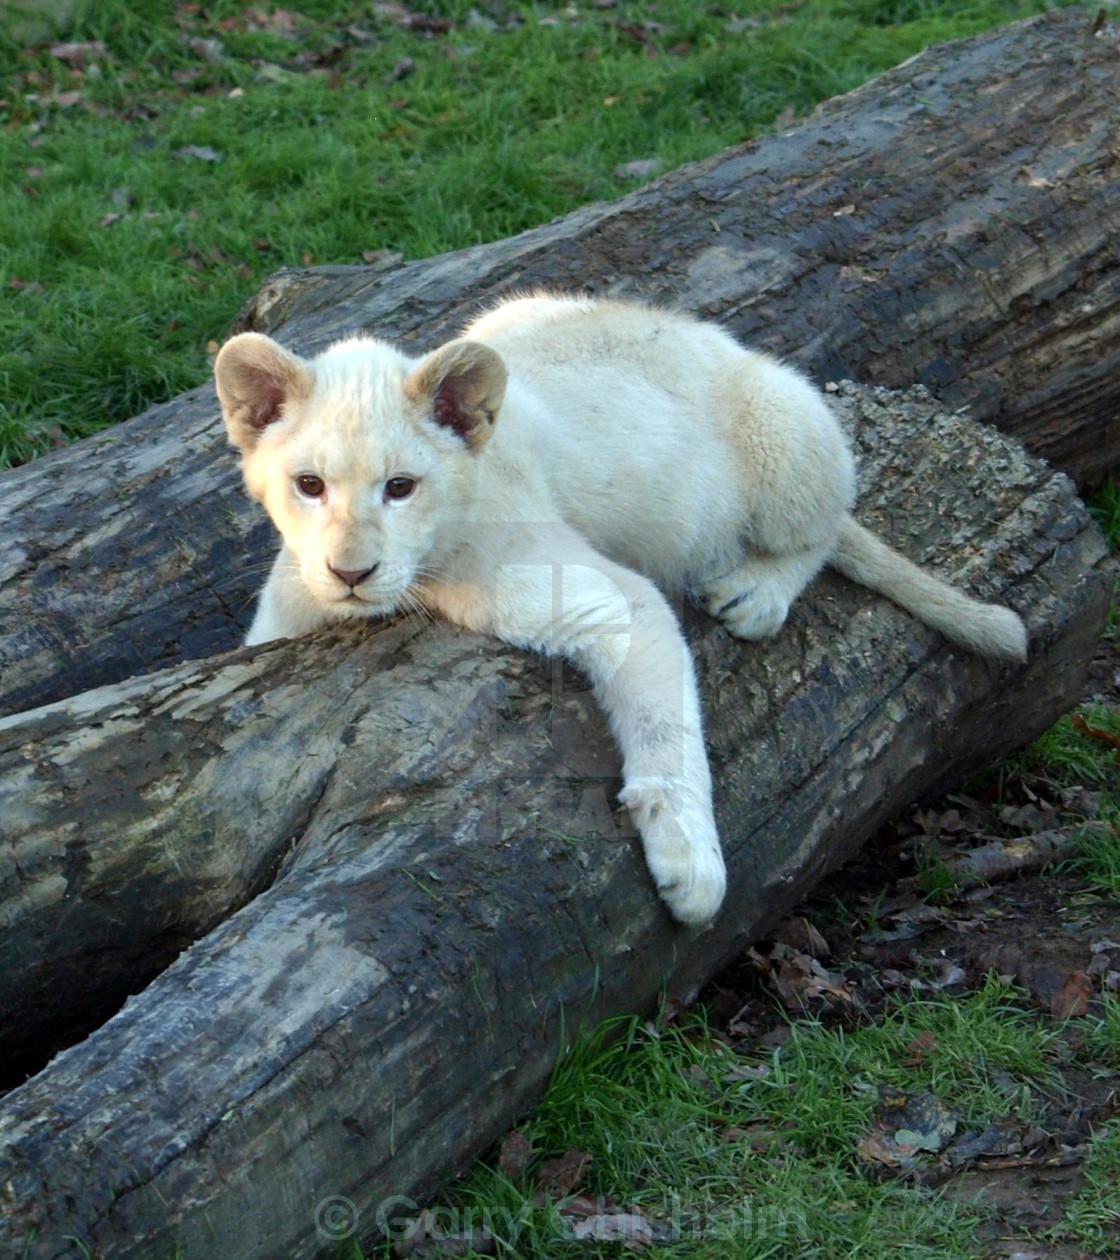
(399, 487)
(311, 486)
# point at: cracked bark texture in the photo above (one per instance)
(449, 891)
(953, 223)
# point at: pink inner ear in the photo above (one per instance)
(450, 407)
(267, 403)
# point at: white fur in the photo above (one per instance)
(572, 459)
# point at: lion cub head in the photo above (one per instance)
(365, 459)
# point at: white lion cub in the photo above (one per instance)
(542, 479)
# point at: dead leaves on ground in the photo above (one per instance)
(897, 955)
(586, 1218)
(557, 1183)
(904, 1126)
(915, 1136)
(798, 978)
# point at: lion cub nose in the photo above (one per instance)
(352, 577)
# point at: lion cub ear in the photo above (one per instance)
(256, 377)
(464, 383)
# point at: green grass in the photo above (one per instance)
(728, 1156)
(123, 258)
(1105, 507)
(1093, 1218)
(1102, 1038)
(1068, 751)
(1096, 849)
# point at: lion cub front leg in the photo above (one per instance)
(564, 599)
(285, 607)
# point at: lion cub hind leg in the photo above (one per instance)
(754, 599)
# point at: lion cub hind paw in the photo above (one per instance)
(682, 850)
(754, 620)
(757, 610)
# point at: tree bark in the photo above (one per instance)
(952, 223)
(455, 893)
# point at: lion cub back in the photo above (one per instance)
(661, 438)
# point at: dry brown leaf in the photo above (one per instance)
(918, 912)
(1099, 965)
(282, 20)
(799, 934)
(559, 1177)
(1095, 732)
(426, 24)
(919, 1048)
(1072, 999)
(880, 1148)
(633, 31)
(758, 1137)
(799, 979)
(515, 1156)
(949, 973)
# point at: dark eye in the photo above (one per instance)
(311, 486)
(399, 487)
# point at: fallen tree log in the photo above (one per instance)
(952, 223)
(455, 894)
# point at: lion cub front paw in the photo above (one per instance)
(681, 847)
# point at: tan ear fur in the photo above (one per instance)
(464, 382)
(255, 378)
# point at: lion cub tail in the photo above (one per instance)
(989, 629)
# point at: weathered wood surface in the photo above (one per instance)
(455, 893)
(954, 223)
